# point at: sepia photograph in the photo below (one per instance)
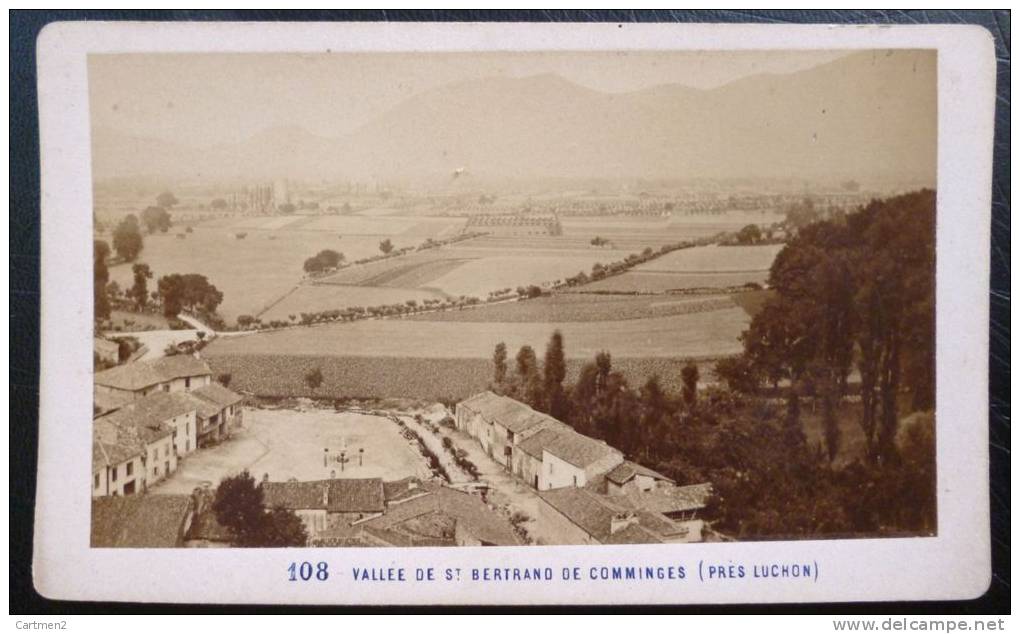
(513, 298)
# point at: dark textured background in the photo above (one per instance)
(24, 268)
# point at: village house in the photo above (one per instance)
(581, 516)
(630, 476)
(153, 440)
(323, 504)
(117, 469)
(176, 373)
(141, 521)
(435, 516)
(176, 410)
(555, 458)
(218, 412)
(500, 423)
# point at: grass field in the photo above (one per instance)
(280, 375)
(714, 259)
(289, 443)
(705, 334)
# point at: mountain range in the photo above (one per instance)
(869, 115)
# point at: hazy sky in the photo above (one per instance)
(209, 99)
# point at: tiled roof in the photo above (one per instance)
(111, 454)
(534, 445)
(142, 374)
(585, 509)
(356, 495)
(594, 514)
(127, 428)
(633, 534)
(673, 499)
(154, 408)
(469, 512)
(203, 407)
(139, 521)
(626, 470)
(570, 446)
(294, 495)
(217, 395)
(341, 495)
(396, 491)
(509, 413)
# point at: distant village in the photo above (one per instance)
(151, 415)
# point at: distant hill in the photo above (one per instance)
(869, 115)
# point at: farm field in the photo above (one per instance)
(710, 334)
(254, 271)
(280, 375)
(310, 298)
(577, 307)
(289, 443)
(714, 259)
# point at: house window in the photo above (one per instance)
(187, 428)
(166, 387)
(95, 479)
(187, 445)
(129, 468)
(575, 481)
(187, 382)
(113, 474)
(155, 471)
(550, 467)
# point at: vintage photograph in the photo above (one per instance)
(410, 299)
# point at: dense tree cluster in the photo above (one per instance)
(156, 219)
(238, 506)
(127, 238)
(190, 291)
(857, 293)
(100, 278)
(324, 260)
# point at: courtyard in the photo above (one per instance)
(293, 443)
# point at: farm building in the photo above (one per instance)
(218, 412)
(177, 373)
(141, 521)
(580, 516)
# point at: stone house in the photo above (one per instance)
(218, 412)
(177, 373)
(564, 458)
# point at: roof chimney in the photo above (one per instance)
(621, 521)
(265, 477)
(325, 494)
